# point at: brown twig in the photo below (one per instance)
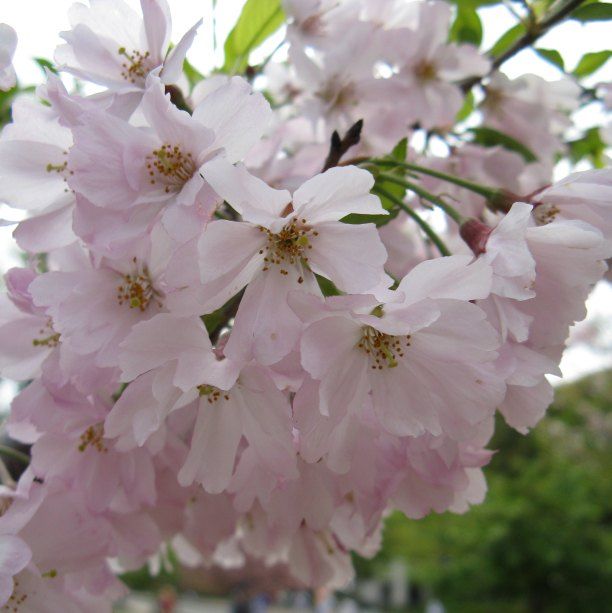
(537, 30)
(178, 99)
(339, 146)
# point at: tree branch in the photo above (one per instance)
(537, 30)
(339, 146)
(177, 98)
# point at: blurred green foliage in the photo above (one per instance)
(542, 539)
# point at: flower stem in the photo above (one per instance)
(427, 229)
(423, 193)
(15, 454)
(483, 190)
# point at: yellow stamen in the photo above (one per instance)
(383, 349)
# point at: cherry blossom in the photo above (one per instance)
(118, 49)
(282, 242)
(8, 44)
(257, 312)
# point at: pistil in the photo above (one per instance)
(384, 350)
(171, 167)
(289, 246)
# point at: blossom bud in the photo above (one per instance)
(475, 234)
(501, 200)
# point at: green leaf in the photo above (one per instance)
(507, 39)
(589, 147)
(213, 320)
(398, 154)
(194, 76)
(590, 62)
(598, 11)
(488, 137)
(466, 109)
(400, 151)
(377, 220)
(6, 101)
(467, 27)
(327, 287)
(44, 63)
(258, 20)
(552, 56)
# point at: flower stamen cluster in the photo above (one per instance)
(239, 343)
(137, 290)
(93, 437)
(383, 349)
(49, 337)
(212, 393)
(170, 166)
(137, 66)
(289, 246)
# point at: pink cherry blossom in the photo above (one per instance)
(118, 48)
(241, 336)
(282, 241)
(582, 195)
(429, 67)
(144, 170)
(392, 352)
(8, 44)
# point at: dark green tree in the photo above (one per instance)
(542, 539)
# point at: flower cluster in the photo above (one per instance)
(235, 355)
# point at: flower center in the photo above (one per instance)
(137, 290)
(289, 246)
(425, 71)
(212, 393)
(93, 437)
(17, 598)
(171, 167)
(136, 65)
(383, 349)
(49, 337)
(338, 96)
(545, 213)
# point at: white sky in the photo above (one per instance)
(38, 23)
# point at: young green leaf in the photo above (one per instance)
(488, 137)
(467, 27)
(597, 11)
(590, 62)
(467, 108)
(194, 76)
(398, 154)
(507, 39)
(552, 56)
(258, 20)
(44, 63)
(590, 147)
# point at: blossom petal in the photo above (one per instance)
(237, 115)
(214, 443)
(241, 189)
(352, 256)
(336, 193)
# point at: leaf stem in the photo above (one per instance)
(423, 193)
(427, 229)
(487, 192)
(15, 454)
